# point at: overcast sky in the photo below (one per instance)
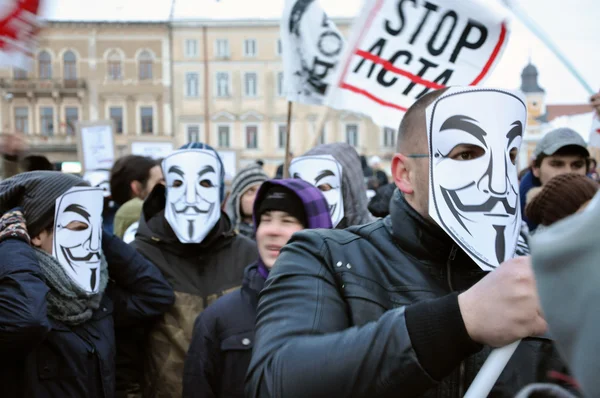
(573, 25)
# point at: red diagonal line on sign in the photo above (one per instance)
(367, 94)
(495, 53)
(387, 65)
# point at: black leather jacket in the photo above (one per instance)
(372, 311)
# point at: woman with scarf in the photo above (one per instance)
(64, 287)
(221, 347)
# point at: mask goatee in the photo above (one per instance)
(93, 279)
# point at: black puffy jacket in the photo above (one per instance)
(372, 311)
(44, 358)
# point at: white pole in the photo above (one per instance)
(490, 371)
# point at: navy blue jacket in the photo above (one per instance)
(46, 358)
(221, 346)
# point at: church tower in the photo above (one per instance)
(535, 96)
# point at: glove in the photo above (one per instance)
(13, 226)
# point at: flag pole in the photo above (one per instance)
(286, 164)
(533, 27)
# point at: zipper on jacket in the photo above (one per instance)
(461, 369)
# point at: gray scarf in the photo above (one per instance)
(66, 301)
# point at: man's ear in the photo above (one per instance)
(36, 241)
(401, 166)
(136, 188)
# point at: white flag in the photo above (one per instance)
(595, 132)
(19, 26)
(400, 50)
(312, 47)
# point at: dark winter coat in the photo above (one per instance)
(46, 358)
(198, 273)
(218, 358)
(372, 311)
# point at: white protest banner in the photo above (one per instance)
(154, 150)
(19, 26)
(96, 147)
(595, 132)
(312, 46)
(400, 50)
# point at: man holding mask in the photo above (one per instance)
(193, 243)
(404, 305)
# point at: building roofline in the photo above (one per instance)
(100, 22)
(199, 22)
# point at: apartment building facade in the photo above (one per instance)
(91, 71)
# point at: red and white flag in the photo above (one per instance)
(19, 25)
(400, 50)
(595, 133)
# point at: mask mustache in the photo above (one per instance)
(87, 257)
(195, 208)
(486, 206)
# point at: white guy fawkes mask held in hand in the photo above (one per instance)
(193, 200)
(77, 243)
(325, 173)
(474, 137)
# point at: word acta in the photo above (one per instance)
(430, 43)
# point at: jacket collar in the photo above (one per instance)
(417, 236)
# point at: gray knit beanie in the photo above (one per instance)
(251, 175)
(36, 192)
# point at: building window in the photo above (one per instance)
(193, 133)
(352, 134)
(251, 137)
(223, 132)
(147, 116)
(250, 48)
(322, 136)
(191, 48)
(250, 84)
(70, 66)
(222, 84)
(222, 48)
(20, 74)
(191, 84)
(45, 65)
(389, 137)
(47, 121)
(116, 114)
(280, 84)
(71, 118)
(281, 136)
(22, 119)
(145, 65)
(114, 66)
(279, 47)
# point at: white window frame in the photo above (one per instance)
(217, 135)
(346, 125)
(64, 116)
(279, 47)
(187, 43)
(384, 132)
(279, 89)
(278, 126)
(30, 121)
(187, 132)
(257, 125)
(247, 93)
(117, 104)
(138, 117)
(54, 119)
(218, 52)
(229, 91)
(186, 91)
(250, 44)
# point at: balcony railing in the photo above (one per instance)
(42, 85)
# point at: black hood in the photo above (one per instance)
(154, 228)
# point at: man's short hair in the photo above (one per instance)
(36, 162)
(125, 170)
(413, 120)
